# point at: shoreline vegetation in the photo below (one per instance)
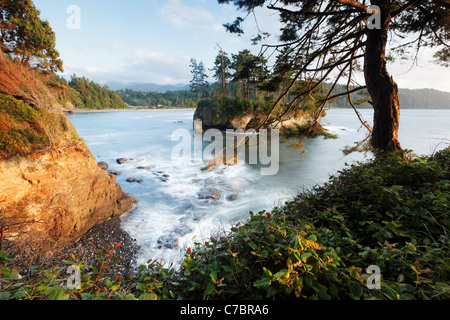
(390, 212)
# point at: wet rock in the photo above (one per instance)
(182, 230)
(209, 193)
(164, 177)
(145, 168)
(103, 165)
(121, 160)
(130, 180)
(114, 172)
(232, 197)
(168, 242)
(140, 181)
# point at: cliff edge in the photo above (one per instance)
(57, 196)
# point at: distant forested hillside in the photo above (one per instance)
(85, 94)
(153, 99)
(409, 99)
(424, 98)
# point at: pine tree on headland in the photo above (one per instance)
(24, 36)
(199, 83)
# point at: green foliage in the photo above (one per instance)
(86, 94)
(229, 108)
(25, 36)
(24, 129)
(168, 99)
(199, 83)
(390, 212)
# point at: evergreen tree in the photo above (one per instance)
(199, 83)
(221, 69)
(23, 35)
(321, 40)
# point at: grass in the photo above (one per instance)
(390, 212)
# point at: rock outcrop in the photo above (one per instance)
(207, 116)
(57, 196)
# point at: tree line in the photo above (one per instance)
(83, 93)
(153, 99)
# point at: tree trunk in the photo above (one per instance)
(382, 88)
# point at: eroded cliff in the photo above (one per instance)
(56, 196)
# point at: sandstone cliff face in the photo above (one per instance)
(57, 196)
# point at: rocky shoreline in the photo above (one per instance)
(105, 236)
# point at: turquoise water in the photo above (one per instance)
(170, 215)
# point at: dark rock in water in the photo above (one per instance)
(182, 230)
(116, 173)
(208, 193)
(131, 180)
(140, 181)
(121, 160)
(232, 197)
(103, 165)
(164, 177)
(146, 168)
(168, 242)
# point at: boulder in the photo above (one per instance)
(114, 172)
(121, 160)
(209, 193)
(103, 165)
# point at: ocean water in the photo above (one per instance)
(172, 215)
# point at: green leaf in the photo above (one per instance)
(3, 255)
(87, 296)
(56, 294)
(356, 290)
(20, 294)
(305, 256)
(214, 277)
(262, 283)
(267, 272)
(210, 289)
(281, 273)
(148, 296)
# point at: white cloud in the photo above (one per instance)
(182, 16)
(142, 66)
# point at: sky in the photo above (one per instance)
(152, 41)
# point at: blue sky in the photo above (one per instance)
(152, 41)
